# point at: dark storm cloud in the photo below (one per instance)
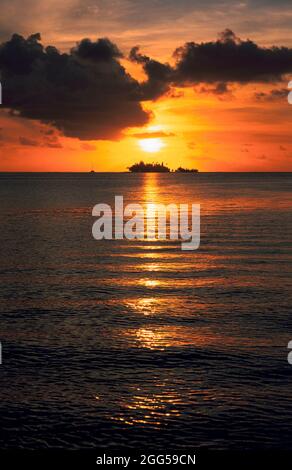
(86, 93)
(159, 75)
(227, 60)
(230, 59)
(102, 50)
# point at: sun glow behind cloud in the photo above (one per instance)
(151, 145)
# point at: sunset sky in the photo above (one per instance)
(192, 83)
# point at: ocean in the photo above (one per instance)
(138, 344)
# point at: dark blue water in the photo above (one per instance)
(139, 344)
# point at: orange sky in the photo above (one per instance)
(206, 132)
(193, 127)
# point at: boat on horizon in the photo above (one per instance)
(142, 167)
(186, 170)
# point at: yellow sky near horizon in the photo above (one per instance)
(195, 130)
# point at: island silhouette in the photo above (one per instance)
(142, 167)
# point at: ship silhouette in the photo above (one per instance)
(142, 167)
(186, 170)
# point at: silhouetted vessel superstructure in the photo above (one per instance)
(148, 168)
(142, 167)
(186, 170)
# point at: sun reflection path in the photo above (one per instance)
(151, 407)
(150, 198)
(155, 400)
(145, 306)
(159, 211)
(150, 188)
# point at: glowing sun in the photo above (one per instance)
(151, 145)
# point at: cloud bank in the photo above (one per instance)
(88, 94)
(85, 93)
(229, 59)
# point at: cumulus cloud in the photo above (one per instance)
(230, 59)
(85, 93)
(217, 64)
(102, 50)
(159, 75)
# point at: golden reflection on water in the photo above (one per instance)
(150, 188)
(155, 209)
(149, 282)
(146, 306)
(151, 267)
(151, 408)
(152, 339)
(161, 337)
(151, 198)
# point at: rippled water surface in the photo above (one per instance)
(139, 344)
